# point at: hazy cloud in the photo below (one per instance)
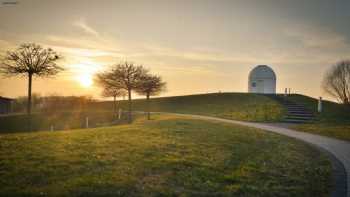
(81, 23)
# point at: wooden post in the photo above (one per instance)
(51, 128)
(87, 122)
(119, 114)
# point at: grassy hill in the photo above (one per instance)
(334, 121)
(167, 156)
(238, 106)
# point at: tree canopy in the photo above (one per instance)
(32, 59)
(150, 85)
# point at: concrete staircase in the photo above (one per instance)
(296, 113)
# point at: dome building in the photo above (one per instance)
(262, 79)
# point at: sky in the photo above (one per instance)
(197, 46)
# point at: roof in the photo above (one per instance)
(262, 72)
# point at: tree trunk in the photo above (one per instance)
(130, 107)
(29, 102)
(148, 107)
(345, 100)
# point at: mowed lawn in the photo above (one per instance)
(238, 106)
(63, 120)
(167, 156)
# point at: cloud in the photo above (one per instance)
(318, 37)
(81, 23)
(5, 45)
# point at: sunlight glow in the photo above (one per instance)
(85, 80)
(84, 72)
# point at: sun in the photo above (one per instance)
(85, 80)
(84, 72)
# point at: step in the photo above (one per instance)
(298, 109)
(299, 117)
(295, 107)
(300, 114)
(296, 121)
(292, 104)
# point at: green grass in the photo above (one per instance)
(334, 121)
(168, 156)
(339, 131)
(59, 120)
(238, 106)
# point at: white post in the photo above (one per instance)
(87, 122)
(289, 91)
(319, 107)
(119, 113)
(51, 128)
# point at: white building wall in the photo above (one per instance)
(262, 79)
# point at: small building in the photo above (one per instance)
(5, 105)
(262, 80)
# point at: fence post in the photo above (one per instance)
(319, 107)
(51, 128)
(87, 122)
(119, 113)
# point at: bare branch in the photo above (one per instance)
(30, 58)
(150, 85)
(337, 81)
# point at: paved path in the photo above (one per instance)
(337, 148)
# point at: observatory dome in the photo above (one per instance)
(262, 79)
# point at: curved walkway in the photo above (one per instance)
(337, 148)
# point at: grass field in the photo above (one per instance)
(238, 106)
(334, 121)
(59, 121)
(167, 156)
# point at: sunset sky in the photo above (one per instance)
(196, 46)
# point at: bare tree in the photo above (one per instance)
(337, 81)
(150, 85)
(124, 76)
(30, 59)
(109, 89)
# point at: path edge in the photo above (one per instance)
(339, 180)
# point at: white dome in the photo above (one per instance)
(262, 72)
(262, 79)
